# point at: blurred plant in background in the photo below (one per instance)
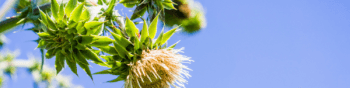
(46, 78)
(77, 31)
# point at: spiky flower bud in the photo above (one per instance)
(70, 33)
(145, 61)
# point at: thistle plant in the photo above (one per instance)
(145, 61)
(77, 32)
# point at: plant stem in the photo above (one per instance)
(8, 24)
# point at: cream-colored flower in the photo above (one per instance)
(158, 69)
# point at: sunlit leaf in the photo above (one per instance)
(167, 35)
(153, 27)
(70, 7)
(130, 28)
(75, 15)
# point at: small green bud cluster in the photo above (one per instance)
(70, 36)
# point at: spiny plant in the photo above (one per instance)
(70, 36)
(77, 31)
(145, 61)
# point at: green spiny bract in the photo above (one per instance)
(70, 35)
(132, 49)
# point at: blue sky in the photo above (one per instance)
(248, 44)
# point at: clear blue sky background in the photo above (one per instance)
(248, 44)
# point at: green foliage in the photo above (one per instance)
(72, 33)
(68, 35)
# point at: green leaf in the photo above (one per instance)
(167, 35)
(50, 53)
(82, 63)
(43, 17)
(79, 26)
(167, 4)
(110, 7)
(42, 44)
(121, 50)
(86, 39)
(159, 39)
(130, 28)
(85, 15)
(92, 26)
(70, 7)
(72, 64)
(117, 31)
(144, 31)
(108, 71)
(86, 69)
(80, 58)
(120, 78)
(75, 15)
(92, 56)
(109, 49)
(55, 9)
(153, 27)
(121, 40)
(44, 35)
(137, 43)
(102, 41)
(50, 23)
(59, 64)
(61, 12)
(172, 46)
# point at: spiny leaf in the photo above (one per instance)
(71, 63)
(82, 63)
(103, 72)
(55, 9)
(153, 27)
(61, 12)
(144, 31)
(92, 26)
(130, 28)
(110, 7)
(50, 23)
(120, 78)
(58, 64)
(70, 7)
(86, 39)
(41, 44)
(44, 35)
(121, 50)
(109, 49)
(102, 41)
(85, 15)
(43, 17)
(167, 35)
(80, 58)
(75, 16)
(92, 56)
(168, 4)
(172, 46)
(159, 39)
(121, 40)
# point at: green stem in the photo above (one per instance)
(10, 23)
(42, 59)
